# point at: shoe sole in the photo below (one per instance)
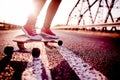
(31, 37)
(50, 36)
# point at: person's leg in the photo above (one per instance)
(29, 27)
(51, 11)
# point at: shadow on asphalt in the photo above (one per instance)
(17, 66)
(63, 72)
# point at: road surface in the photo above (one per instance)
(99, 50)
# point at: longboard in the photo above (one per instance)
(22, 39)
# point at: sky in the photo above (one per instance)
(16, 11)
(102, 13)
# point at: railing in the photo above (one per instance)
(103, 26)
(7, 26)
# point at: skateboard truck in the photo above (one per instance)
(22, 48)
(8, 50)
(59, 42)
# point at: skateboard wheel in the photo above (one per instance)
(35, 52)
(60, 42)
(8, 50)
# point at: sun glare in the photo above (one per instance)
(15, 11)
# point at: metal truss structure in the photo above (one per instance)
(92, 12)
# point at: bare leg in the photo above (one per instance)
(38, 5)
(29, 27)
(51, 11)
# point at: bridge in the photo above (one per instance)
(94, 14)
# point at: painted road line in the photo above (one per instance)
(45, 61)
(83, 70)
(37, 68)
(34, 70)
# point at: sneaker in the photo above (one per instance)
(31, 33)
(49, 33)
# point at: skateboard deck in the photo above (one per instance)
(22, 39)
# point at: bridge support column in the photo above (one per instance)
(104, 29)
(113, 28)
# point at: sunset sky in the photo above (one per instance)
(16, 11)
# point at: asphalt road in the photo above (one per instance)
(100, 50)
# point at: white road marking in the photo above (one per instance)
(33, 70)
(45, 61)
(83, 70)
(36, 67)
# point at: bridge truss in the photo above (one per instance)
(95, 12)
